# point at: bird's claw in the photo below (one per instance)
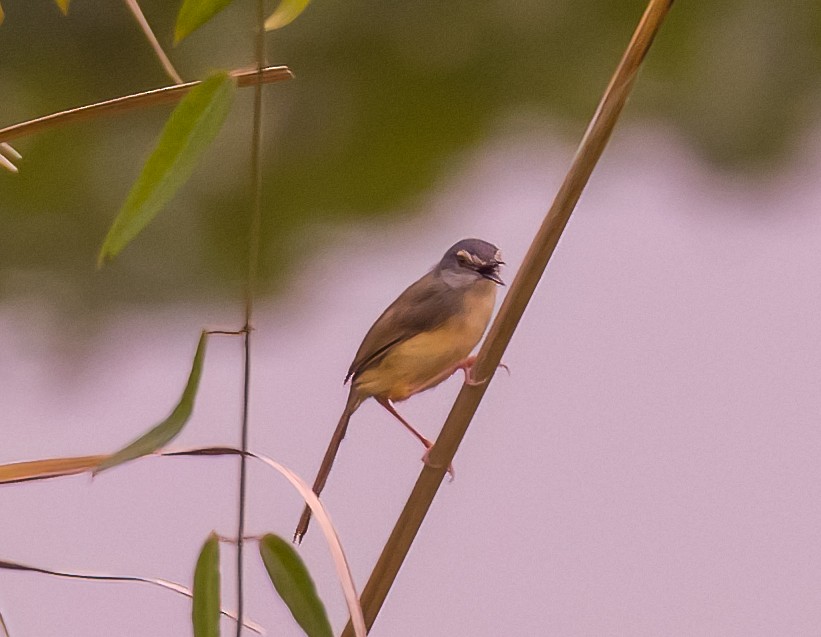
(426, 460)
(472, 382)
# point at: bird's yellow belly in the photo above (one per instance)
(414, 363)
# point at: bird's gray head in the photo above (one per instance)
(471, 259)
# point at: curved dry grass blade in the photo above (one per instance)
(50, 468)
(513, 306)
(191, 128)
(193, 14)
(42, 469)
(2, 15)
(294, 584)
(205, 609)
(63, 6)
(168, 429)
(343, 570)
(4, 631)
(286, 12)
(153, 581)
(154, 97)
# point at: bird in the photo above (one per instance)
(421, 339)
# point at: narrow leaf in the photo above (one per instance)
(50, 468)
(205, 613)
(191, 128)
(294, 585)
(168, 429)
(2, 15)
(193, 14)
(285, 13)
(63, 4)
(4, 631)
(98, 577)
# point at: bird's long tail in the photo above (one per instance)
(328, 461)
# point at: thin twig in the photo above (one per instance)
(253, 266)
(490, 354)
(165, 95)
(152, 40)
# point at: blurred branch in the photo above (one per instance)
(152, 39)
(490, 354)
(153, 97)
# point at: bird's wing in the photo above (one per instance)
(424, 306)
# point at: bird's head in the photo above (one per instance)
(473, 258)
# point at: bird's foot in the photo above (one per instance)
(467, 367)
(427, 461)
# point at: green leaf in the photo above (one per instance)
(187, 133)
(285, 13)
(194, 13)
(63, 5)
(168, 429)
(294, 585)
(205, 610)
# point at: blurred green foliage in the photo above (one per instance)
(388, 98)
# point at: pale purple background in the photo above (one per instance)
(652, 466)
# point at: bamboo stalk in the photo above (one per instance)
(165, 95)
(521, 290)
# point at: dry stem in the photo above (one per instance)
(244, 77)
(533, 266)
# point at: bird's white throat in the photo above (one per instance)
(460, 278)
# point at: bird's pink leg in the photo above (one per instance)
(427, 443)
(387, 405)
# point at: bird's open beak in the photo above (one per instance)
(491, 272)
